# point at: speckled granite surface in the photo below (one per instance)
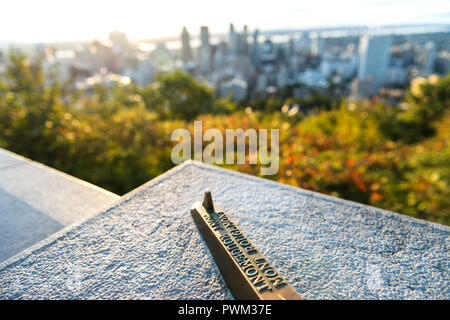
(147, 246)
(36, 201)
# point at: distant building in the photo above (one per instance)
(304, 44)
(233, 40)
(162, 57)
(242, 65)
(313, 78)
(238, 42)
(345, 67)
(186, 51)
(261, 83)
(144, 72)
(205, 50)
(396, 75)
(244, 42)
(220, 56)
(268, 52)
(443, 62)
(255, 49)
(235, 87)
(316, 44)
(57, 65)
(282, 79)
(374, 54)
(430, 56)
(107, 79)
(362, 88)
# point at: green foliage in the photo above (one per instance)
(177, 95)
(425, 102)
(313, 102)
(119, 137)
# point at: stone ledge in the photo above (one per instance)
(37, 201)
(146, 245)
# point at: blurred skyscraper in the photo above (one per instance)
(205, 50)
(233, 40)
(244, 41)
(186, 51)
(316, 44)
(255, 49)
(291, 47)
(374, 54)
(429, 57)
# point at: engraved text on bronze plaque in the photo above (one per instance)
(246, 271)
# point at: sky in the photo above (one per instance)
(69, 20)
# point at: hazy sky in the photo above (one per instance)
(56, 20)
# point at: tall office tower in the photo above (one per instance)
(220, 56)
(316, 44)
(255, 49)
(245, 41)
(205, 50)
(291, 47)
(186, 51)
(233, 40)
(304, 43)
(374, 55)
(430, 56)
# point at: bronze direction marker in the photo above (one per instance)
(246, 271)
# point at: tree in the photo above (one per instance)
(179, 96)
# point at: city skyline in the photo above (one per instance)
(88, 20)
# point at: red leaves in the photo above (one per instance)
(374, 196)
(350, 163)
(356, 177)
